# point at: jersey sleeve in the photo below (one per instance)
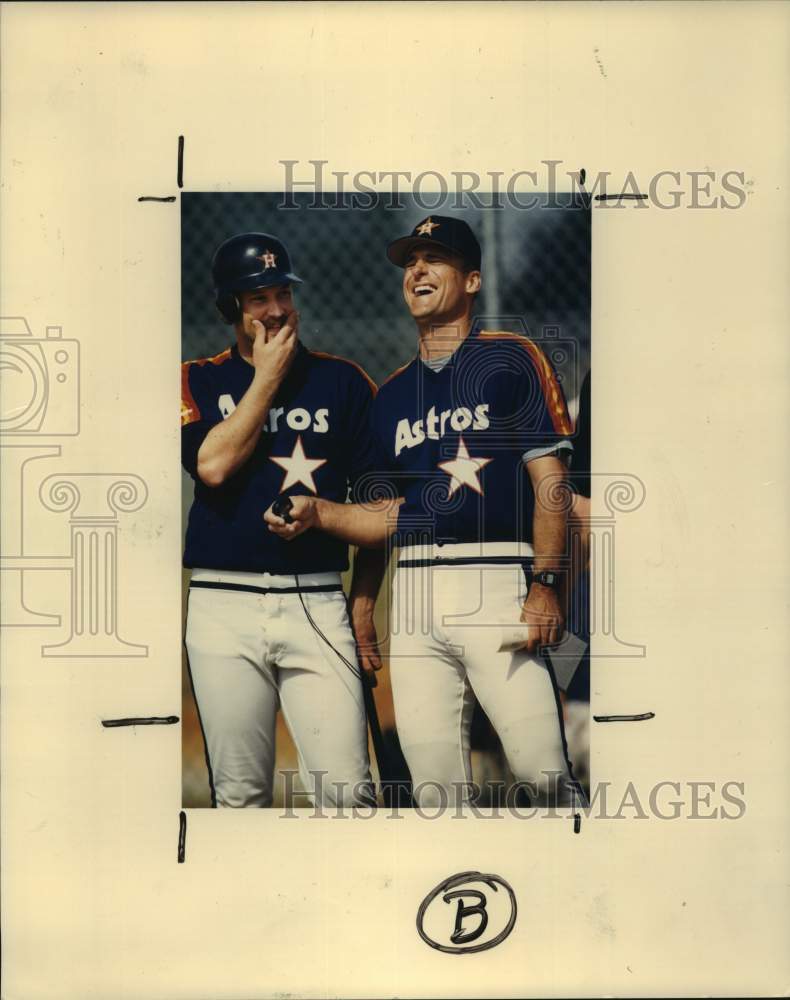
(545, 426)
(194, 426)
(581, 464)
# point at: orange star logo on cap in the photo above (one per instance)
(426, 228)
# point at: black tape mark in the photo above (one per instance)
(621, 197)
(577, 822)
(150, 197)
(182, 836)
(624, 718)
(154, 720)
(180, 174)
(582, 176)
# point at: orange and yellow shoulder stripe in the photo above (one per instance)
(190, 411)
(552, 392)
(348, 361)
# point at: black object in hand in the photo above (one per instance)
(282, 508)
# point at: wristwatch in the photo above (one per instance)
(547, 578)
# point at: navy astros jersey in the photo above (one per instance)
(316, 441)
(456, 440)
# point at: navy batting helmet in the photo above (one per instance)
(247, 261)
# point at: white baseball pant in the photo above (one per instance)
(446, 626)
(253, 650)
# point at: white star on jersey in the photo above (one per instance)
(463, 470)
(299, 468)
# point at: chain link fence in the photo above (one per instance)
(536, 275)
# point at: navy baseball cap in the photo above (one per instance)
(441, 230)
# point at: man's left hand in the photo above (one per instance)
(542, 612)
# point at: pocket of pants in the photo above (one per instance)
(330, 609)
(216, 619)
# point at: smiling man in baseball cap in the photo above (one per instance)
(473, 435)
(441, 261)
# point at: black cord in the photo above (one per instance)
(388, 786)
(281, 507)
(354, 670)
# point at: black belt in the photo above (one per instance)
(325, 588)
(468, 561)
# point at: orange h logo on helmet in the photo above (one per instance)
(268, 259)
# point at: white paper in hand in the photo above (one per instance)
(565, 656)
